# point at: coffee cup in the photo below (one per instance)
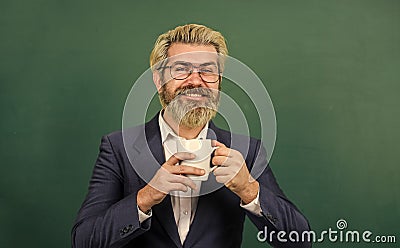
(202, 149)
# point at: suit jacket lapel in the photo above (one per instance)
(149, 148)
(165, 215)
(199, 225)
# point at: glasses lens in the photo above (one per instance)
(209, 73)
(181, 71)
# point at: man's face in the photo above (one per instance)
(191, 101)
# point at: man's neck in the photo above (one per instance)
(180, 130)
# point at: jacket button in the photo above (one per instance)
(269, 216)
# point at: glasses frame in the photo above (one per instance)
(191, 72)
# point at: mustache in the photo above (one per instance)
(194, 90)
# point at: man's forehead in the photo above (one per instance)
(195, 57)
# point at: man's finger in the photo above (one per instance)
(223, 151)
(224, 171)
(186, 170)
(179, 187)
(223, 179)
(219, 160)
(174, 159)
(184, 180)
(217, 143)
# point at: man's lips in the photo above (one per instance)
(194, 95)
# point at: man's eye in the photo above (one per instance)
(208, 70)
(181, 68)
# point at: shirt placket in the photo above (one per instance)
(185, 206)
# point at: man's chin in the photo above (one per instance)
(197, 117)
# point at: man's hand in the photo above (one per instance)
(232, 171)
(168, 178)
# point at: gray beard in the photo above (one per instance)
(191, 113)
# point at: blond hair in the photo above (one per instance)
(187, 34)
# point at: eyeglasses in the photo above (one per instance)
(208, 72)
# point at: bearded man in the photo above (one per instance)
(140, 194)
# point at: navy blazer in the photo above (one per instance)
(108, 216)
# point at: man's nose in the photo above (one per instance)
(195, 78)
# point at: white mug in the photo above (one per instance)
(202, 149)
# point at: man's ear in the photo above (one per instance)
(157, 80)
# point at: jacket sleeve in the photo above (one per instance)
(106, 217)
(278, 213)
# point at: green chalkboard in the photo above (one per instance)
(332, 69)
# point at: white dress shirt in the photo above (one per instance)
(184, 204)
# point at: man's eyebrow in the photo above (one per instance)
(180, 62)
(187, 62)
(208, 63)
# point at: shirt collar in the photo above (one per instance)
(166, 130)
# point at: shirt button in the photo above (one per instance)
(185, 212)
